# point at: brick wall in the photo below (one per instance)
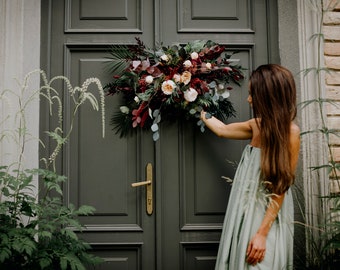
(331, 29)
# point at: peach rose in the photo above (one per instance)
(186, 77)
(168, 87)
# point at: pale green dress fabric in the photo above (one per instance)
(247, 206)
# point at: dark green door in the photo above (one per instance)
(189, 192)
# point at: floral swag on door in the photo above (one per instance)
(166, 84)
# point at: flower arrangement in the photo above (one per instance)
(167, 84)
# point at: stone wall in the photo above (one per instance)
(331, 30)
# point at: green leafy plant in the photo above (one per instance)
(38, 232)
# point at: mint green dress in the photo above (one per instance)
(246, 209)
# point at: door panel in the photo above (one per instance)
(102, 16)
(91, 158)
(190, 193)
(101, 171)
(213, 16)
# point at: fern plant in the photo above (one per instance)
(38, 232)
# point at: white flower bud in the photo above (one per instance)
(187, 63)
(194, 55)
(177, 78)
(148, 79)
(165, 57)
(124, 109)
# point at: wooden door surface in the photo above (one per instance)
(190, 194)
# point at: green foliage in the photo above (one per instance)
(39, 231)
(35, 233)
(117, 62)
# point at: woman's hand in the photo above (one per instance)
(256, 249)
(203, 114)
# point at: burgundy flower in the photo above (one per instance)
(136, 115)
(200, 85)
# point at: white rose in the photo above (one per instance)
(187, 63)
(221, 86)
(165, 57)
(124, 109)
(177, 78)
(190, 95)
(148, 79)
(194, 55)
(168, 87)
(208, 65)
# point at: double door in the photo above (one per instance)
(175, 220)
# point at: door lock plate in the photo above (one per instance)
(148, 184)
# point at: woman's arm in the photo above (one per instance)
(257, 245)
(240, 131)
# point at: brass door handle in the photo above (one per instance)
(148, 185)
(137, 184)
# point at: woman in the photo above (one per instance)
(258, 229)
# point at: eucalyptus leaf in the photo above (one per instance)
(155, 136)
(154, 127)
(143, 96)
(155, 113)
(158, 118)
(212, 85)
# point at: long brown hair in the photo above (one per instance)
(273, 92)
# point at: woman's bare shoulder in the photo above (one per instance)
(251, 121)
(254, 124)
